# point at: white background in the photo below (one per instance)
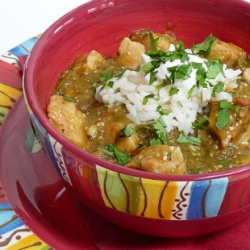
(23, 19)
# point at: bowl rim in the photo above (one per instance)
(33, 105)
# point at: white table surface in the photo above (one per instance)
(22, 19)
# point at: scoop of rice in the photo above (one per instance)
(134, 87)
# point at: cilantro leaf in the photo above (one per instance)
(146, 98)
(190, 92)
(224, 104)
(205, 47)
(201, 123)
(153, 77)
(184, 138)
(223, 119)
(179, 53)
(173, 91)
(105, 79)
(160, 130)
(153, 42)
(218, 88)
(162, 111)
(215, 67)
(128, 130)
(112, 151)
(68, 99)
(165, 82)
(183, 71)
(148, 67)
(200, 74)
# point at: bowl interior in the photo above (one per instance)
(101, 25)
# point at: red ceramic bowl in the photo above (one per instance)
(154, 204)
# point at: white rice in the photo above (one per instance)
(133, 86)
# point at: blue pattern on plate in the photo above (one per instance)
(8, 219)
(24, 48)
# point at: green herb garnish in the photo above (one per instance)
(184, 138)
(183, 71)
(215, 67)
(223, 117)
(162, 111)
(223, 162)
(219, 87)
(128, 130)
(200, 74)
(201, 123)
(68, 99)
(112, 151)
(146, 98)
(160, 130)
(190, 92)
(105, 79)
(173, 91)
(205, 47)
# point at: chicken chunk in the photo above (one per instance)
(246, 75)
(113, 129)
(127, 144)
(143, 37)
(236, 129)
(94, 59)
(67, 119)
(162, 159)
(229, 53)
(130, 53)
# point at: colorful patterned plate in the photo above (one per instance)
(39, 197)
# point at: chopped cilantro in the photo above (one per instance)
(223, 117)
(184, 138)
(201, 123)
(128, 130)
(119, 75)
(68, 99)
(218, 88)
(162, 111)
(215, 67)
(145, 99)
(200, 74)
(153, 42)
(224, 104)
(190, 92)
(110, 84)
(155, 141)
(173, 91)
(223, 162)
(153, 77)
(180, 53)
(165, 82)
(183, 71)
(160, 130)
(148, 67)
(112, 151)
(205, 47)
(104, 77)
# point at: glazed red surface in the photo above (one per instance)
(41, 199)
